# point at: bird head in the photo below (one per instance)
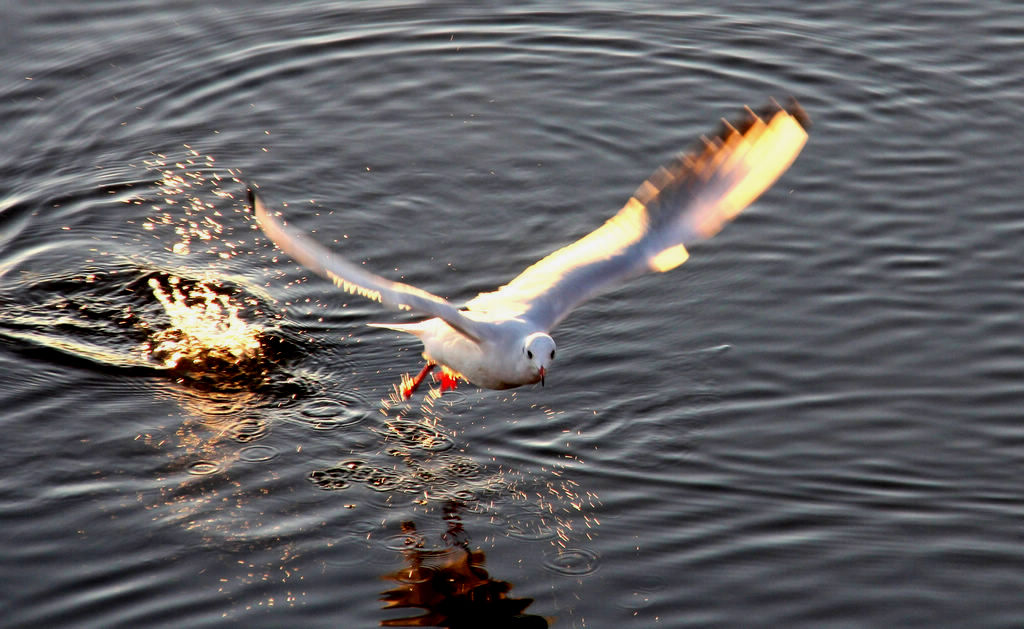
(539, 351)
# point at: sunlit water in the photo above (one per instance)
(814, 422)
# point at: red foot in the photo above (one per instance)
(408, 391)
(448, 381)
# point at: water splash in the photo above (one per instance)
(206, 335)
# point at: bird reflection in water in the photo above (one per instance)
(451, 585)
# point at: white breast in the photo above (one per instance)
(493, 365)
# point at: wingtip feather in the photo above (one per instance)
(734, 167)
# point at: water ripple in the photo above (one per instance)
(572, 561)
(258, 453)
(855, 454)
(328, 414)
(203, 468)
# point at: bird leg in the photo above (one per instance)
(408, 391)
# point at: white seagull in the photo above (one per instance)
(502, 339)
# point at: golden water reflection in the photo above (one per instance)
(450, 585)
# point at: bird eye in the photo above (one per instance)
(552, 354)
(529, 354)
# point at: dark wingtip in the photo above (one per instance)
(765, 113)
(792, 107)
(701, 162)
(251, 195)
(798, 112)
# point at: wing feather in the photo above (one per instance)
(685, 201)
(355, 280)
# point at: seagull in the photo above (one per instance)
(502, 339)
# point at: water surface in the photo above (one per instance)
(814, 422)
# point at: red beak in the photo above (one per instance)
(542, 370)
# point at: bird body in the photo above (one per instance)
(501, 339)
(467, 359)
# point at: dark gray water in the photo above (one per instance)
(815, 422)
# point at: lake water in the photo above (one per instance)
(815, 422)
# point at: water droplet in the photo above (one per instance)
(381, 479)
(405, 541)
(452, 399)
(416, 435)
(641, 593)
(414, 575)
(529, 525)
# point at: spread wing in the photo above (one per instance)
(353, 279)
(683, 202)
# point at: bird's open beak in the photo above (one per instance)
(542, 371)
